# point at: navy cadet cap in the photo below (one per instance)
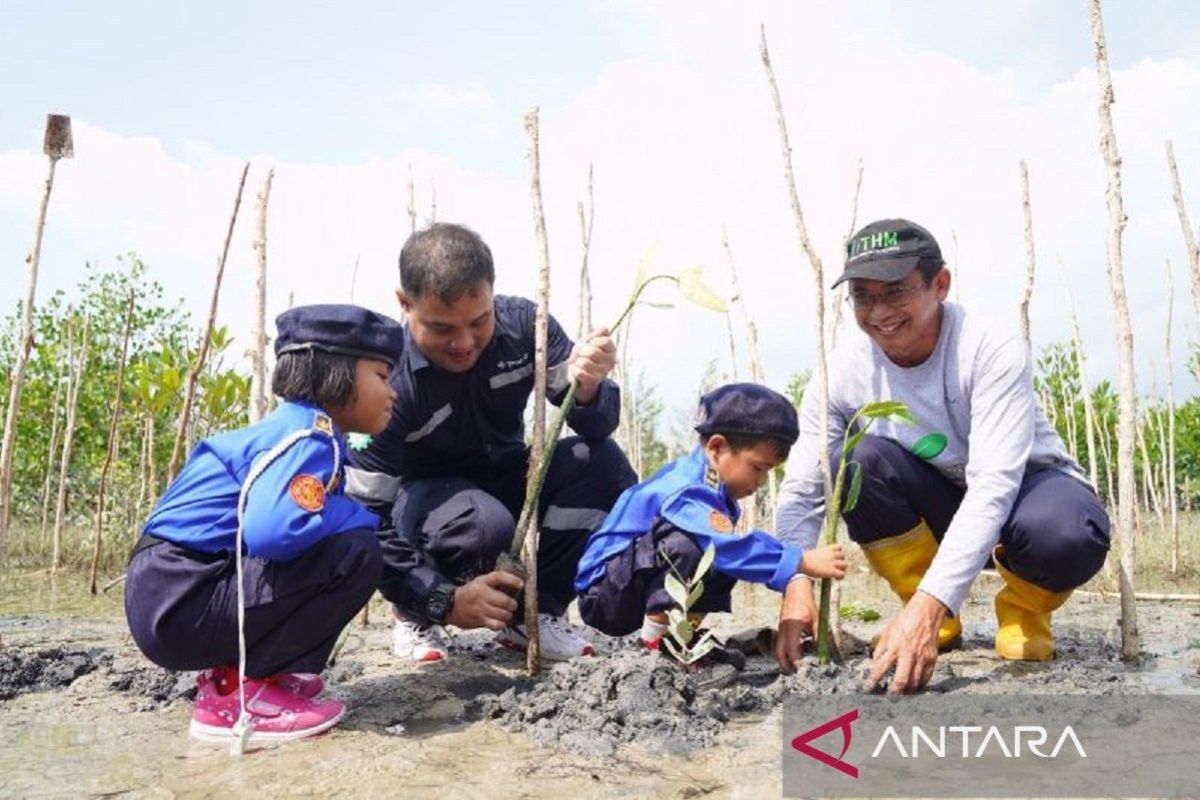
(887, 250)
(343, 329)
(747, 409)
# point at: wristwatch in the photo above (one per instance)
(439, 602)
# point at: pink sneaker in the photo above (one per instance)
(277, 714)
(305, 684)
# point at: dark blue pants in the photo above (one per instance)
(182, 604)
(1056, 535)
(460, 526)
(632, 584)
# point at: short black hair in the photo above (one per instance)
(314, 376)
(445, 260)
(929, 268)
(742, 441)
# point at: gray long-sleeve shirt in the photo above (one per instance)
(976, 390)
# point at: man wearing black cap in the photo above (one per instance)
(448, 474)
(982, 476)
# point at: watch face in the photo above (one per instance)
(438, 603)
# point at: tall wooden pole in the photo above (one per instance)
(839, 293)
(587, 220)
(537, 450)
(1030, 261)
(60, 508)
(56, 144)
(1127, 422)
(1172, 491)
(193, 375)
(1189, 235)
(258, 337)
(112, 441)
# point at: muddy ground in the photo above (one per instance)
(83, 714)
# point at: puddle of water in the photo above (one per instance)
(64, 594)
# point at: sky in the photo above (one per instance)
(667, 101)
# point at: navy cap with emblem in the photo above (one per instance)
(887, 250)
(343, 329)
(747, 409)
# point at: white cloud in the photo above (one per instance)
(683, 140)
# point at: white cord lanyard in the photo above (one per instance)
(242, 728)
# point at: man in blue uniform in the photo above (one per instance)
(309, 554)
(449, 471)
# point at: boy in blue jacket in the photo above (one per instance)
(309, 557)
(746, 430)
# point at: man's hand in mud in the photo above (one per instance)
(486, 602)
(797, 619)
(909, 644)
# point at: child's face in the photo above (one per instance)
(742, 471)
(371, 407)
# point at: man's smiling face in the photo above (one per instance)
(903, 317)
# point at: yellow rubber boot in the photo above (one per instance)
(1023, 611)
(902, 561)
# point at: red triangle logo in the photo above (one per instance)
(801, 743)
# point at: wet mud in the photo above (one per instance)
(82, 712)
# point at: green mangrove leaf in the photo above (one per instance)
(681, 631)
(694, 289)
(889, 409)
(855, 487)
(673, 649)
(706, 561)
(929, 446)
(676, 590)
(695, 594)
(700, 651)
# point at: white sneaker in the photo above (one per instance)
(417, 643)
(559, 639)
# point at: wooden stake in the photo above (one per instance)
(56, 144)
(1085, 389)
(1127, 422)
(112, 442)
(193, 375)
(1172, 490)
(538, 450)
(1027, 294)
(839, 294)
(49, 483)
(1189, 236)
(412, 203)
(60, 508)
(818, 274)
(258, 337)
(586, 222)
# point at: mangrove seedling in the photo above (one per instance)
(863, 419)
(691, 286)
(680, 628)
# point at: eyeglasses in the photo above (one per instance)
(892, 296)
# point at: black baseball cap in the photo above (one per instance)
(888, 250)
(747, 409)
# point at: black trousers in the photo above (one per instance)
(181, 604)
(459, 526)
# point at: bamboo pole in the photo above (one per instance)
(1172, 488)
(1085, 391)
(60, 507)
(49, 483)
(538, 451)
(112, 441)
(258, 337)
(839, 294)
(818, 274)
(185, 414)
(412, 202)
(587, 220)
(1189, 236)
(738, 301)
(1030, 262)
(1127, 422)
(56, 145)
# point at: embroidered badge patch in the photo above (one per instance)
(719, 522)
(323, 423)
(711, 479)
(308, 492)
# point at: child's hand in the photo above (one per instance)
(824, 562)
